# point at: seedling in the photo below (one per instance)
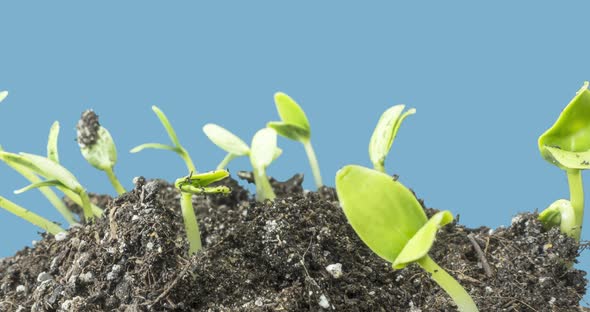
(264, 147)
(295, 126)
(197, 184)
(229, 142)
(177, 148)
(385, 133)
(30, 216)
(567, 145)
(391, 222)
(97, 147)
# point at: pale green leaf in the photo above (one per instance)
(290, 131)
(205, 190)
(203, 179)
(290, 112)
(158, 146)
(383, 212)
(52, 152)
(561, 213)
(30, 216)
(38, 185)
(277, 154)
(264, 146)
(3, 95)
(226, 140)
(419, 245)
(166, 123)
(385, 133)
(567, 159)
(103, 153)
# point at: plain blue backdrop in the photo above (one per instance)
(486, 78)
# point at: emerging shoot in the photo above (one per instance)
(30, 216)
(389, 219)
(385, 133)
(177, 148)
(567, 145)
(295, 126)
(97, 147)
(264, 148)
(197, 184)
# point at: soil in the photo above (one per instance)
(296, 254)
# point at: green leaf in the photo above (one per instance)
(205, 190)
(383, 212)
(290, 131)
(385, 132)
(226, 140)
(561, 213)
(30, 216)
(277, 154)
(264, 148)
(3, 95)
(567, 159)
(102, 154)
(166, 123)
(38, 185)
(419, 245)
(158, 146)
(570, 133)
(290, 112)
(202, 179)
(52, 152)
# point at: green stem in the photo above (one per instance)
(114, 181)
(449, 284)
(574, 179)
(187, 159)
(86, 206)
(47, 192)
(30, 216)
(190, 223)
(379, 167)
(263, 188)
(97, 211)
(313, 161)
(223, 164)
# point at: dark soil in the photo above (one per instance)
(274, 257)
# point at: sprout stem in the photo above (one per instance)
(187, 159)
(313, 161)
(379, 166)
(449, 284)
(114, 181)
(97, 211)
(263, 188)
(223, 164)
(574, 179)
(86, 207)
(30, 216)
(190, 223)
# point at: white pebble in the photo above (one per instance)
(86, 277)
(335, 270)
(258, 302)
(20, 288)
(149, 246)
(324, 303)
(61, 236)
(135, 218)
(44, 276)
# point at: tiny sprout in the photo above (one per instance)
(229, 142)
(30, 216)
(264, 149)
(391, 222)
(97, 147)
(197, 184)
(567, 145)
(3, 95)
(385, 133)
(295, 126)
(177, 148)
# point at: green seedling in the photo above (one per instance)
(264, 149)
(391, 222)
(567, 145)
(97, 147)
(55, 175)
(295, 126)
(30, 216)
(229, 142)
(177, 148)
(385, 133)
(197, 184)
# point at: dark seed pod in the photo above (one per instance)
(87, 128)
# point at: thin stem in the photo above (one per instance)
(449, 284)
(191, 225)
(574, 179)
(114, 181)
(187, 159)
(30, 216)
(223, 164)
(97, 211)
(379, 167)
(313, 161)
(86, 208)
(263, 188)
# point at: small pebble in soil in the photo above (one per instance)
(335, 270)
(43, 276)
(61, 236)
(323, 302)
(20, 288)
(87, 277)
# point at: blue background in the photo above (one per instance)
(486, 79)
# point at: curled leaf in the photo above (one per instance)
(385, 132)
(294, 124)
(226, 140)
(264, 148)
(52, 152)
(103, 153)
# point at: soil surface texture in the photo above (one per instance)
(296, 254)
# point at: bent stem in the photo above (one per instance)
(313, 161)
(449, 284)
(191, 225)
(86, 206)
(114, 181)
(223, 164)
(97, 211)
(187, 159)
(263, 188)
(574, 179)
(30, 216)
